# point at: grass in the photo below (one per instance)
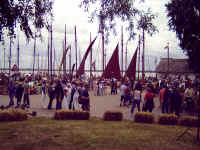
(44, 133)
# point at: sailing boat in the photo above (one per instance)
(112, 69)
(131, 71)
(81, 69)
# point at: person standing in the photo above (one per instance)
(166, 98)
(86, 99)
(11, 92)
(26, 102)
(136, 99)
(148, 100)
(44, 93)
(51, 92)
(19, 93)
(73, 90)
(189, 95)
(59, 93)
(122, 91)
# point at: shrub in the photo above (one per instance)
(13, 115)
(144, 117)
(188, 121)
(113, 116)
(168, 119)
(71, 115)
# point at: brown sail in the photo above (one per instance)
(81, 69)
(131, 71)
(112, 70)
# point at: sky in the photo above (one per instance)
(68, 12)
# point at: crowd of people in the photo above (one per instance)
(175, 95)
(68, 94)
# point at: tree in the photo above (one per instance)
(27, 13)
(184, 19)
(110, 11)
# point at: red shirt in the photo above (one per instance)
(148, 96)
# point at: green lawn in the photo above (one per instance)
(43, 133)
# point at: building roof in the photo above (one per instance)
(175, 66)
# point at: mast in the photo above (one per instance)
(126, 56)
(102, 47)
(4, 63)
(10, 54)
(34, 51)
(79, 56)
(143, 58)
(54, 61)
(48, 52)
(76, 48)
(122, 50)
(102, 32)
(18, 52)
(51, 46)
(64, 48)
(70, 60)
(38, 62)
(168, 58)
(139, 57)
(90, 57)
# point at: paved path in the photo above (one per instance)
(99, 104)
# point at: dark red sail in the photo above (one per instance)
(81, 69)
(131, 71)
(112, 70)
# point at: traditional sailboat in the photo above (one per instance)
(81, 69)
(112, 70)
(131, 71)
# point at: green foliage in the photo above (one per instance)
(144, 117)
(113, 116)
(184, 19)
(108, 12)
(188, 121)
(167, 119)
(13, 115)
(26, 13)
(71, 115)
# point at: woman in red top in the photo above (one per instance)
(148, 100)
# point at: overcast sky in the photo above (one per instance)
(68, 12)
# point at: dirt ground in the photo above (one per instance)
(98, 105)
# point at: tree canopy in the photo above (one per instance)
(184, 19)
(109, 12)
(28, 14)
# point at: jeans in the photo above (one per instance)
(11, 95)
(135, 102)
